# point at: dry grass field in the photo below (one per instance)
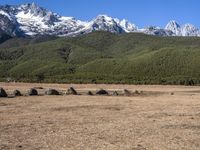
(163, 118)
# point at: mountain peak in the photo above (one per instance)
(190, 30)
(127, 26)
(172, 24)
(33, 4)
(104, 17)
(29, 6)
(174, 27)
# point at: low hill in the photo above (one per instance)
(102, 57)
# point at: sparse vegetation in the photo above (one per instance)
(151, 120)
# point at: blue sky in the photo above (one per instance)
(140, 12)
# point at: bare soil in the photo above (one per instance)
(168, 119)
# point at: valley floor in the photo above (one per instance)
(169, 119)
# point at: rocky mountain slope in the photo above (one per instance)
(33, 20)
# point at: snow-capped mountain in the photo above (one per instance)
(127, 26)
(153, 30)
(32, 20)
(185, 30)
(174, 27)
(190, 30)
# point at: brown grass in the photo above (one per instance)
(154, 121)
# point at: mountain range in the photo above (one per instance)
(30, 20)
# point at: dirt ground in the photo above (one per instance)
(169, 120)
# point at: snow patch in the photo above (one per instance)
(5, 14)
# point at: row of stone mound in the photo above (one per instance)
(70, 91)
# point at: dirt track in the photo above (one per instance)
(152, 122)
